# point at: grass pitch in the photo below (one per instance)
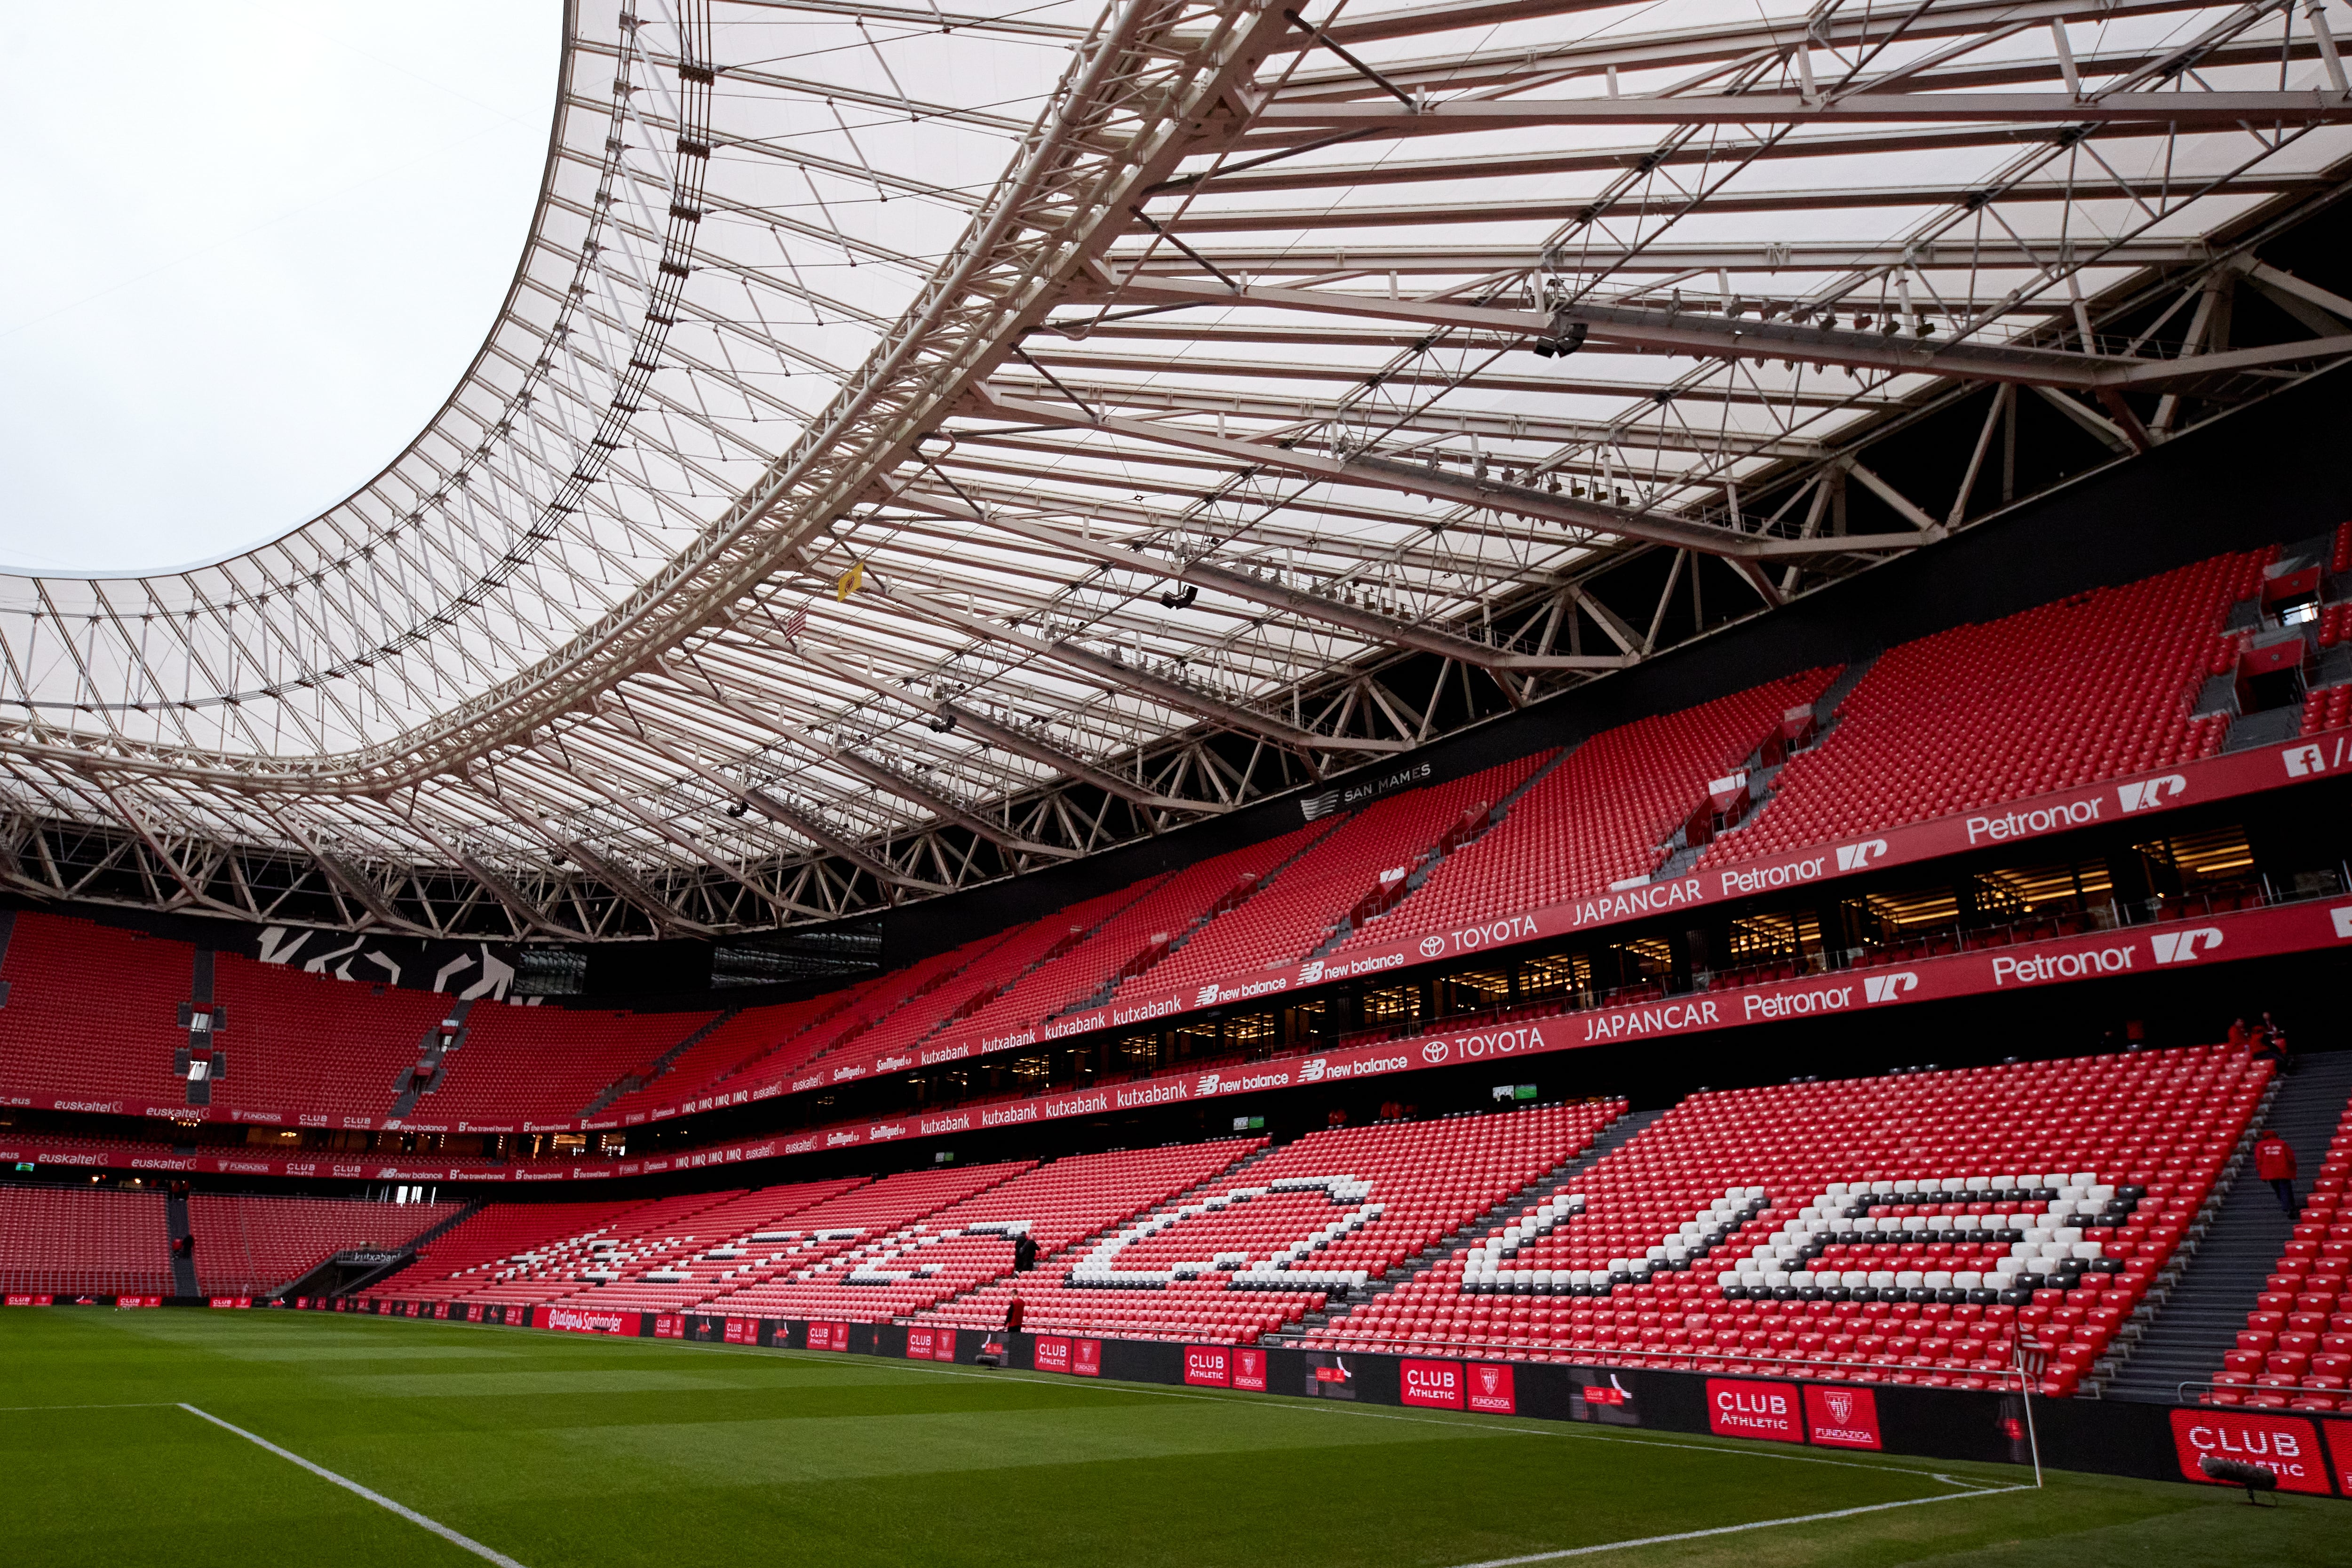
(554, 1451)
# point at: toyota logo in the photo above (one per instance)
(1434, 1052)
(1431, 946)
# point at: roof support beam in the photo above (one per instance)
(147, 835)
(956, 716)
(1706, 333)
(1369, 624)
(1313, 256)
(1683, 47)
(1657, 527)
(353, 883)
(1501, 426)
(669, 834)
(498, 887)
(507, 894)
(2188, 110)
(624, 884)
(678, 668)
(1669, 202)
(1114, 672)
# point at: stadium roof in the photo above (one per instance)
(921, 445)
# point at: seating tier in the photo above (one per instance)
(69, 1241)
(1272, 1243)
(1938, 1187)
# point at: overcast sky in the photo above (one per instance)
(254, 247)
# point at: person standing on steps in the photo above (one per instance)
(2275, 1163)
(2270, 1042)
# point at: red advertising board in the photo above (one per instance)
(1249, 1368)
(30, 1301)
(1209, 1366)
(828, 1336)
(2287, 1446)
(1489, 1387)
(1739, 1409)
(1842, 1417)
(1051, 1354)
(2339, 1453)
(584, 1321)
(441, 1310)
(944, 1342)
(139, 1300)
(474, 1312)
(743, 1330)
(1437, 1383)
(918, 1344)
(667, 1325)
(228, 1303)
(1085, 1358)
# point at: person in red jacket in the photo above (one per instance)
(2275, 1163)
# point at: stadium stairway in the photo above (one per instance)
(436, 1048)
(175, 1222)
(1623, 1131)
(1226, 905)
(2197, 1323)
(1681, 856)
(1431, 858)
(978, 1001)
(200, 1000)
(630, 1082)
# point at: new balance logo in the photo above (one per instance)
(1313, 806)
(1854, 856)
(2302, 761)
(2150, 793)
(2343, 922)
(2181, 946)
(1208, 1084)
(1310, 972)
(1206, 994)
(1887, 988)
(1311, 1072)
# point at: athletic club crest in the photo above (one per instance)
(1490, 1378)
(1840, 1403)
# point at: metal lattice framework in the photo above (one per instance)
(919, 446)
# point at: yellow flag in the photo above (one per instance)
(848, 583)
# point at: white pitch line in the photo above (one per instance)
(1735, 1529)
(141, 1405)
(410, 1514)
